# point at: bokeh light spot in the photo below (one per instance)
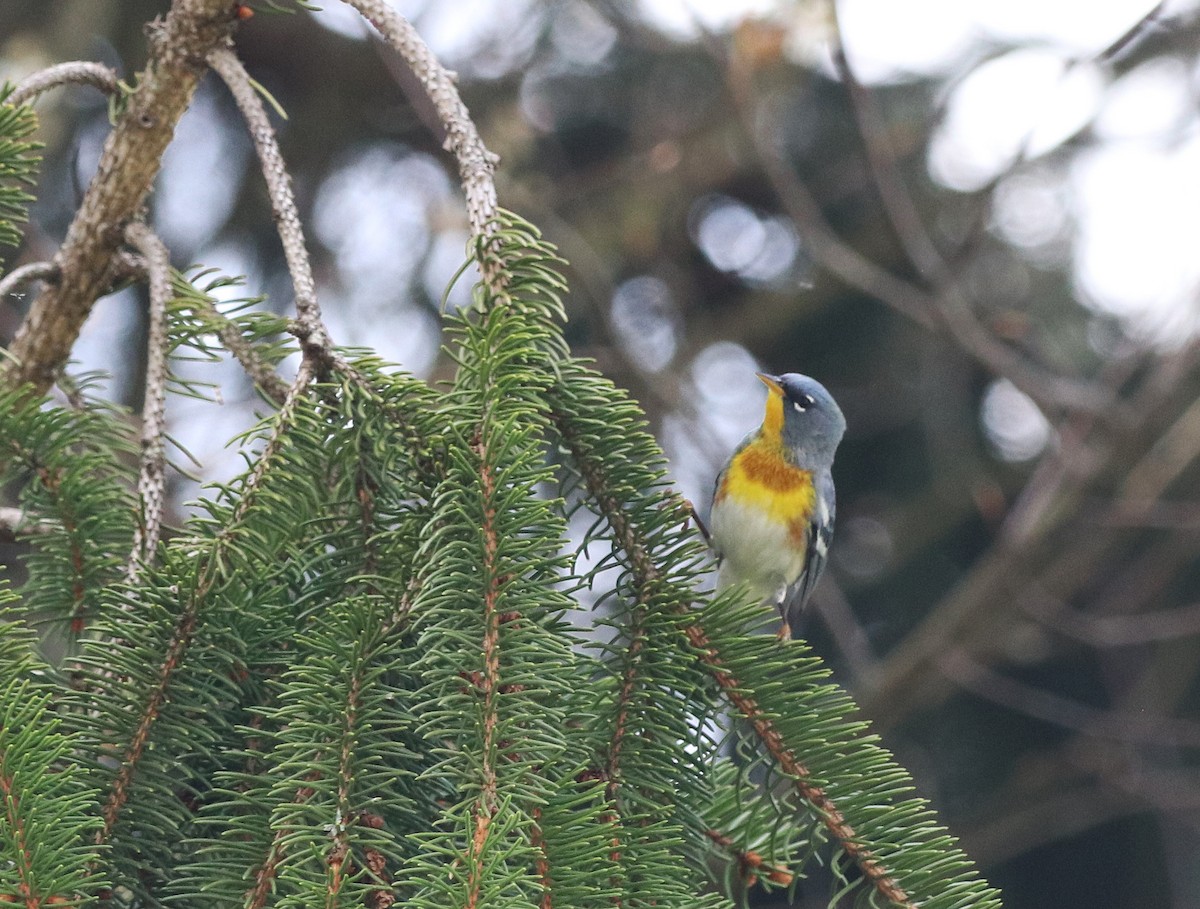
(646, 321)
(1014, 426)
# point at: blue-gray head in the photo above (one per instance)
(804, 416)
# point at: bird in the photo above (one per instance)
(774, 504)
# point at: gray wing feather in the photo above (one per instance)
(819, 537)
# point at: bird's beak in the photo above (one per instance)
(772, 382)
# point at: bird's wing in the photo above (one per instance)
(818, 538)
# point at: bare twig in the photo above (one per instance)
(128, 165)
(311, 330)
(848, 632)
(1061, 711)
(1166, 460)
(908, 674)
(949, 300)
(31, 271)
(152, 479)
(1114, 630)
(79, 72)
(476, 165)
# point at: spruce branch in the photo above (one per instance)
(311, 331)
(208, 573)
(488, 680)
(75, 483)
(152, 477)
(750, 863)
(827, 810)
(128, 165)
(646, 576)
(259, 370)
(22, 848)
(78, 72)
(476, 164)
(18, 164)
(261, 373)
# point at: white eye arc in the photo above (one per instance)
(804, 403)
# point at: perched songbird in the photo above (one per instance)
(773, 506)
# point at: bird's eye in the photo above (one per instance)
(803, 403)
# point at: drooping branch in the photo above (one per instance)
(476, 165)
(128, 165)
(750, 863)
(485, 807)
(824, 807)
(185, 626)
(152, 478)
(79, 72)
(311, 330)
(258, 369)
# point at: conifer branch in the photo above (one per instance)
(261, 373)
(829, 813)
(750, 863)
(22, 848)
(128, 165)
(311, 331)
(476, 165)
(489, 679)
(51, 481)
(152, 478)
(339, 852)
(645, 575)
(542, 863)
(22, 275)
(624, 697)
(266, 873)
(78, 72)
(185, 625)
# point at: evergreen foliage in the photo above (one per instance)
(18, 164)
(362, 674)
(351, 680)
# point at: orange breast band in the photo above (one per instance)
(760, 477)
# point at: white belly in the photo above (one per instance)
(755, 549)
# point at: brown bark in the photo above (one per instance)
(128, 165)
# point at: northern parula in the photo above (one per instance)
(773, 506)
